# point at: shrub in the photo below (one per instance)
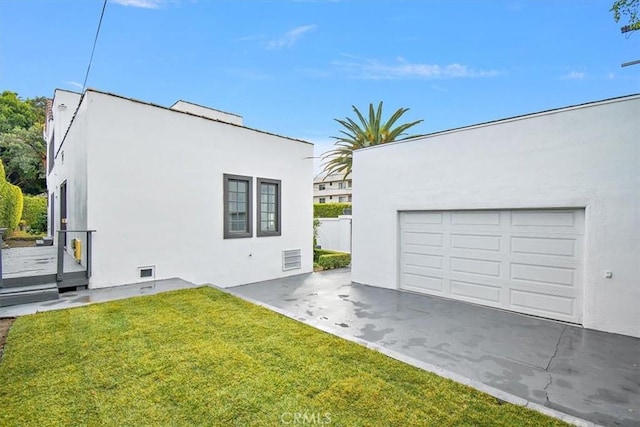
(11, 201)
(39, 226)
(318, 252)
(331, 259)
(329, 210)
(34, 213)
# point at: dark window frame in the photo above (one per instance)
(278, 184)
(228, 234)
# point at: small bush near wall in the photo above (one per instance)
(34, 213)
(329, 210)
(10, 203)
(331, 259)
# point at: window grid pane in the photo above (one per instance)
(238, 206)
(268, 207)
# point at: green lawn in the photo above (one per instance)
(203, 357)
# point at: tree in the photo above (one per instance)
(367, 133)
(23, 151)
(630, 9)
(22, 146)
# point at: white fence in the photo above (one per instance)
(335, 233)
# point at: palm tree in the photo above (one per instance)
(367, 133)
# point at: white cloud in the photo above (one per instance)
(574, 75)
(373, 69)
(289, 38)
(145, 4)
(75, 84)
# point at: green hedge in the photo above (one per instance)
(34, 208)
(11, 201)
(331, 259)
(329, 210)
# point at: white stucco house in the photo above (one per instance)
(537, 214)
(185, 191)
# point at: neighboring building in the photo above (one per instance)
(185, 191)
(537, 214)
(332, 189)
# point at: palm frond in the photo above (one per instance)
(355, 136)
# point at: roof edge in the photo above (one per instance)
(510, 119)
(204, 106)
(115, 95)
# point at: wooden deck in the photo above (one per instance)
(37, 261)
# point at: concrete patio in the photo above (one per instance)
(591, 375)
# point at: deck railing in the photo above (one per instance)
(61, 246)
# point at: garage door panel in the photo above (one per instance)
(544, 274)
(423, 238)
(483, 218)
(420, 218)
(528, 261)
(553, 246)
(476, 291)
(486, 242)
(546, 261)
(542, 288)
(482, 267)
(553, 306)
(546, 220)
(424, 260)
(422, 283)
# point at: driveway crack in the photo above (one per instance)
(555, 353)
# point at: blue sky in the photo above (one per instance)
(291, 67)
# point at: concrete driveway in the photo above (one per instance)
(590, 375)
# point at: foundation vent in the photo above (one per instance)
(147, 272)
(291, 259)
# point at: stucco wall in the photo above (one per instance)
(585, 156)
(335, 233)
(155, 195)
(70, 164)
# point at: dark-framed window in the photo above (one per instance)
(268, 196)
(237, 206)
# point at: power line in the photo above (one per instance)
(95, 41)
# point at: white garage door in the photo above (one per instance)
(529, 261)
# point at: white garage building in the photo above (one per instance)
(538, 214)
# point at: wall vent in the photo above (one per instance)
(291, 259)
(148, 272)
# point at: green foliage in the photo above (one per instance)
(16, 113)
(23, 151)
(334, 260)
(21, 144)
(368, 132)
(34, 213)
(629, 9)
(317, 253)
(329, 210)
(316, 224)
(11, 202)
(201, 357)
(328, 259)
